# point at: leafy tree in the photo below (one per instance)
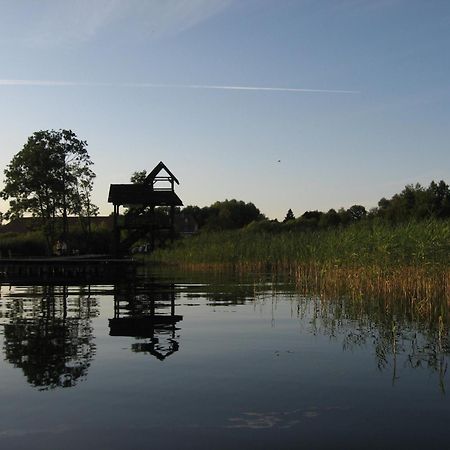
(50, 178)
(226, 215)
(309, 220)
(357, 212)
(417, 202)
(330, 219)
(200, 215)
(83, 205)
(344, 216)
(231, 214)
(138, 177)
(439, 194)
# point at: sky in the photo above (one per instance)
(301, 104)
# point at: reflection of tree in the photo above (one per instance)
(147, 312)
(402, 332)
(50, 338)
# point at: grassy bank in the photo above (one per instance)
(411, 259)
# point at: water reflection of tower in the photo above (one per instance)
(48, 334)
(147, 312)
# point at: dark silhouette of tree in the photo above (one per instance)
(330, 219)
(344, 216)
(416, 202)
(309, 220)
(312, 215)
(226, 215)
(289, 216)
(357, 212)
(197, 213)
(50, 178)
(439, 195)
(139, 177)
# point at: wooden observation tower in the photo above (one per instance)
(144, 219)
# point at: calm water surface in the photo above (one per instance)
(199, 363)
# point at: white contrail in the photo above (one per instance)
(51, 83)
(249, 88)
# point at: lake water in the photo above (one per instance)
(190, 362)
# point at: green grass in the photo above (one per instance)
(361, 245)
(410, 261)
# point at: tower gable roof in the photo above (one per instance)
(153, 174)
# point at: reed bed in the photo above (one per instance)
(416, 243)
(415, 284)
(410, 260)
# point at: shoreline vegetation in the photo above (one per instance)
(400, 249)
(409, 260)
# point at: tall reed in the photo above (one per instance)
(416, 243)
(412, 259)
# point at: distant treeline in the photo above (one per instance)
(226, 215)
(414, 202)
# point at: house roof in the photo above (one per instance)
(21, 225)
(26, 224)
(141, 194)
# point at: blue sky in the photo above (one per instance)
(131, 77)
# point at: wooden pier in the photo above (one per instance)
(87, 269)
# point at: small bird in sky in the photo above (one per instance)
(279, 160)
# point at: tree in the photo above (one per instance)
(439, 199)
(309, 220)
(50, 178)
(289, 216)
(138, 177)
(231, 214)
(357, 212)
(330, 219)
(416, 202)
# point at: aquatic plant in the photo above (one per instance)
(408, 260)
(415, 243)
